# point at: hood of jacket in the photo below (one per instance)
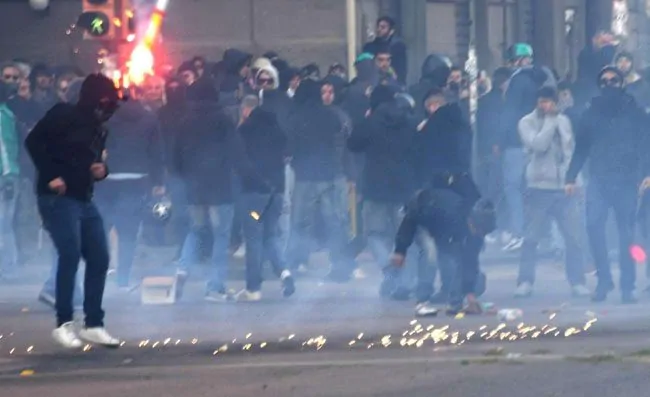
(390, 114)
(270, 70)
(308, 93)
(437, 68)
(234, 60)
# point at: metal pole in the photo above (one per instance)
(351, 28)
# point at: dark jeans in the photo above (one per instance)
(262, 236)
(464, 255)
(121, 203)
(77, 231)
(541, 206)
(622, 199)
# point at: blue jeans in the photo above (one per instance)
(514, 164)
(262, 236)
(220, 217)
(8, 200)
(310, 198)
(77, 231)
(121, 202)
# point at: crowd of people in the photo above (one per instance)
(255, 153)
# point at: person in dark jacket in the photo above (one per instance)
(262, 184)
(442, 157)
(520, 100)
(67, 148)
(234, 71)
(458, 231)
(204, 161)
(386, 139)
(591, 60)
(613, 135)
(313, 129)
(386, 37)
(436, 70)
(488, 129)
(136, 152)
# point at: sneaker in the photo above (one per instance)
(359, 274)
(628, 298)
(248, 296)
(66, 336)
(426, 309)
(580, 291)
(182, 273)
(99, 336)
(491, 238)
(220, 296)
(506, 237)
(288, 285)
(514, 244)
(240, 253)
(524, 290)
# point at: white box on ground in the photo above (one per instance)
(159, 290)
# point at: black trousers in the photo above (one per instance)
(464, 267)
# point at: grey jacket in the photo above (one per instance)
(549, 142)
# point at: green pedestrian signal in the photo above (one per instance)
(97, 26)
(95, 23)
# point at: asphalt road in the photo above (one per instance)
(334, 340)
(599, 366)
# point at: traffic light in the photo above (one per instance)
(97, 19)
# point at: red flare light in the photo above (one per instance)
(141, 63)
(638, 254)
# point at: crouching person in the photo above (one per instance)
(458, 231)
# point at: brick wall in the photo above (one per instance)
(301, 30)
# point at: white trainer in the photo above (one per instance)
(99, 336)
(248, 296)
(66, 336)
(524, 290)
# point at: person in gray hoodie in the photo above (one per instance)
(548, 141)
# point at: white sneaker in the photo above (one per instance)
(580, 291)
(66, 336)
(248, 296)
(359, 274)
(524, 290)
(425, 309)
(240, 253)
(506, 237)
(99, 336)
(491, 238)
(514, 244)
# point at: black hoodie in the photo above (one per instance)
(435, 72)
(135, 144)
(520, 100)
(204, 151)
(264, 149)
(313, 130)
(444, 145)
(386, 139)
(612, 133)
(229, 79)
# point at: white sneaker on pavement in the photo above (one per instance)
(524, 290)
(248, 296)
(66, 336)
(99, 336)
(580, 291)
(426, 309)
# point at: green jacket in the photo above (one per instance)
(9, 146)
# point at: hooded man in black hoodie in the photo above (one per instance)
(436, 70)
(204, 160)
(313, 142)
(136, 152)
(261, 168)
(231, 76)
(612, 134)
(67, 147)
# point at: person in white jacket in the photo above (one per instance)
(548, 139)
